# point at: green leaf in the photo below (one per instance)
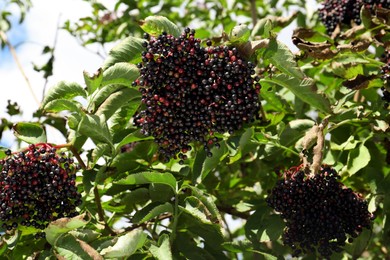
(125, 245)
(74, 120)
(101, 95)
(244, 145)
(156, 25)
(150, 211)
(197, 165)
(212, 162)
(185, 244)
(124, 162)
(121, 118)
(138, 196)
(347, 145)
(359, 244)
(264, 226)
(265, 255)
(86, 235)
(31, 133)
(207, 201)
(273, 100)
(303, 89)
(163, 251)
(63, 90)
(196, 209)
(63, 225)
(281, 57)
(69, 247)
(95, 128)
(149, 177)
(358, 159)
(3, 248)
(240, 33)
(100, 150)
(238, 246)
(133, 137)
(271, 228)
(366, 16)
(116, 100)
(58, 105)
(2, 152)
(193, 221)
(160, 192)
(262, 28)
(122, 73)
(128, 50)
(93, 81)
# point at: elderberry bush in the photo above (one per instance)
(37, 186)
(191, 91)
(320, 212)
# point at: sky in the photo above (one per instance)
(38, 30)
(71, 59)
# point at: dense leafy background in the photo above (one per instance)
(135, 207)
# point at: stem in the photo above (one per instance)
(318, 149)
(262, 113)
(287, 149)
(229, 234)
(98, 204)
(100, 211)
(253, 12)
(74, 151)
(175, 219)
(52, 53)
(4, 38)
(144, 225)
(232, 211)
(357, 97)
(333, 127)
(77, 155)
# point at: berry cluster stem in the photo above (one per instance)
(318, 149)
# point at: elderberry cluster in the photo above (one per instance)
(37, 186)
(337, 12)
(319, 211)
(385, 71)
(190, 92)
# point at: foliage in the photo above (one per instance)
(6, 14)
(136, 207)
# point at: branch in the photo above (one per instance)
(4, 38)
(144, 225)
(232, 211)
(253, 12)
(100, 212)
(318, 149)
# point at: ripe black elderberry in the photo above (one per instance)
(191, 92)
(319, 211)
(37, 186)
